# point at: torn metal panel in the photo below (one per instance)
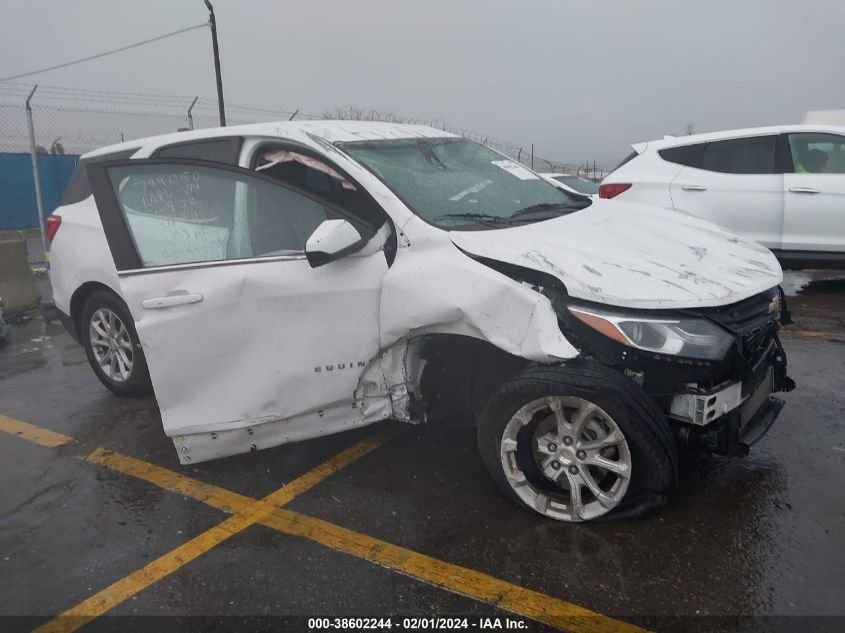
(387, 383)
(434, 288)
(636, 256)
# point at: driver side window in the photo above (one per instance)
(183, 213)
(317, 178)
(817, 153)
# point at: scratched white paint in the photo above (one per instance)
(636, 256)
(278, 351)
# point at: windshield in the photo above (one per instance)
(450, 182)
(578, 184)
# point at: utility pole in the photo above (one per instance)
(212, 21)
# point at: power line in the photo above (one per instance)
(26, 87)
(111, 52)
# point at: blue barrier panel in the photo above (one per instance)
(17, 192)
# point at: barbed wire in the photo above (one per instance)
(78, 120)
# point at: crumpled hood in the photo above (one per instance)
(634, 255)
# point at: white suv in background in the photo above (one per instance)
(781, 186)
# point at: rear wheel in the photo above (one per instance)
(578, 443)
(111, 344)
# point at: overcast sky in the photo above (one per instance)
(581, 80)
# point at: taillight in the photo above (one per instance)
(53, 224)
(613, 189)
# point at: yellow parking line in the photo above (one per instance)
(328, 468)
(126, 587)
(467, 582)
(214, 496)
(226, 500)
(248, 510)
(36, 434)
(810, 333)
(833, 337)
(461, 580)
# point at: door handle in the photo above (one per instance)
(804, 190)
(693, 187)
(167, 301)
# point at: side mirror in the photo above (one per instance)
(330, 241)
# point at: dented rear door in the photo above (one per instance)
(237, 328)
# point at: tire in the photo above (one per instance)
(108, 335)
(537, 451)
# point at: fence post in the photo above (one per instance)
(36, 178)
(532, 156)
(190, 117)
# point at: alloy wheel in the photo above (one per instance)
(566, 458)
(111, 344)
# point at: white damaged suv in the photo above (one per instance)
(276, 282)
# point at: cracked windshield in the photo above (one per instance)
(456, 183)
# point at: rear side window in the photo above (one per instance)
(182, 213)
(79, 188)
(687, 155)
(754, 155)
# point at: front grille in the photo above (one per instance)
(751, 321)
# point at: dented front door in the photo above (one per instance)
(237, 328)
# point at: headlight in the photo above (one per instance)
(682, 336)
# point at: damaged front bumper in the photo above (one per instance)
(729, 420)
(719, 405)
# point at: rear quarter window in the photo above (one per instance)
(687, 155)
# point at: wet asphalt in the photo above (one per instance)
(761, 536)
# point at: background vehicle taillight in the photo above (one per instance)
(53, 224)
(613, 189)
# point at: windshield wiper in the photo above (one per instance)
(544, 208)
(482, 218)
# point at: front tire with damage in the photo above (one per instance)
(578, 442)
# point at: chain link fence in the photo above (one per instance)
(75, 121)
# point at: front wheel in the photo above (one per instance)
(578, 442)
(111, 344)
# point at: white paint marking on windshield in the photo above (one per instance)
(515, 169)
(474, 189)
